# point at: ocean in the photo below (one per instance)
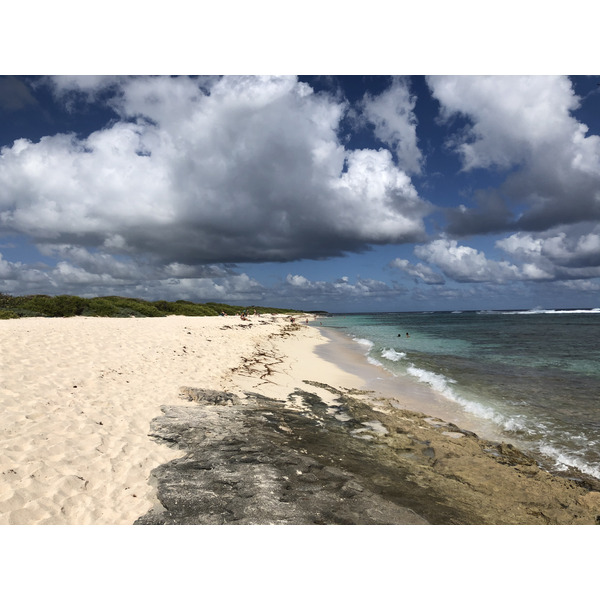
(533, 376)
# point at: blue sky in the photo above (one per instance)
(334, 192)
(342, 193)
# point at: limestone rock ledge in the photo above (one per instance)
(259, 460)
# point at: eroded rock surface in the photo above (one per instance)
(258, 460)
(249, 464)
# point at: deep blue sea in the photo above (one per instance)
(534, 375)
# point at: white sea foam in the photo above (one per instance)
(443, 385)
(563, 460)
(392, 354)
(436, 381)
(364, 342)
(516, 420)
(543, 311)
(374, 361)
(368, 344)
(516, 423)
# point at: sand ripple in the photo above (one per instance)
(77, 397)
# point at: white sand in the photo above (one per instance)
(77, 396)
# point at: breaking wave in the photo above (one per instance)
(543, 311)
(392, 354)
(563, 460)
(368, 344)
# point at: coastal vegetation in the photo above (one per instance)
(14, 307)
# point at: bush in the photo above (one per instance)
(132, 307)
(100, 307)
(165, 307)
(48, 306)
(6, 301)
(115, 306)
(8, 314)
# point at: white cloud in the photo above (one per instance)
(392, 113)
(513, 116)
(521, 245)
(67, 278)
(298, 281)
(390, 205)
(466, 264)
(419, 271)
(570, 254)
(94, 263)
(554, 256)
(566, 248)
(340, 289)
(90, 85)
(251, 171)
(8, 270)
(524, 123)
(533, 272)
(581, 285)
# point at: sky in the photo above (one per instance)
(344, 193)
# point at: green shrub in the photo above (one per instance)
(59, 306)
(8, 314)
(219, 308)
(132, 306)
(6, 301)
(99, 307)
(165, 307)
(116, 306)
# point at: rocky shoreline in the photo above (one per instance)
(351, 460)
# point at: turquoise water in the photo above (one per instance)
(534, 374)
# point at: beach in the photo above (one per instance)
(78, 395)
(94, 408)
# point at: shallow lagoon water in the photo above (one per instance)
(534, 376)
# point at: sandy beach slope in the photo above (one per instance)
(78, 397)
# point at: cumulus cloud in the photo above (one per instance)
(581, 285)
(420, 272)
(339, 289)
(75, 89)
(570, 254)
(553, 256)
(195, 176)
(392, 114)
(512, 116)
(523, 124)
(199, 171)
(8, 270)
(466, 264)
(170, 283)
(126, 268)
